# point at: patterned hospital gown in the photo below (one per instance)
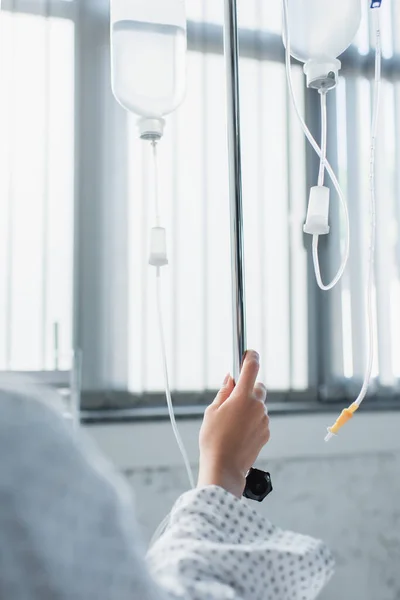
(67, 528)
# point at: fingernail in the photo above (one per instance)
(251, 355)
(226, 379)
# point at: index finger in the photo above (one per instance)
(249, 373)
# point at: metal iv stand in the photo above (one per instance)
(258, 484)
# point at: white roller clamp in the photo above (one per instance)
(317, 222)
(158, 247)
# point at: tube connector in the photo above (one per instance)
(317, 222)
(158, 247)
(344, 418)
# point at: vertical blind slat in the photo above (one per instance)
(39, 153)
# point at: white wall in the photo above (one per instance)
(346, 492)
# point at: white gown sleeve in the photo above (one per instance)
(217, 547)
(67, 529)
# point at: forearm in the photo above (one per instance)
(232, 482)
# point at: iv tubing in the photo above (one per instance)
(371, 265)
(321, 178)
(348, 413)
(175, 429)
(164, 524)
(318, 150)
(167, 386)
(155, 180)
(324, 136)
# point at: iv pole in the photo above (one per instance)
(258, 484)
(231, 43)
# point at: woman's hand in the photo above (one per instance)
(235, 429)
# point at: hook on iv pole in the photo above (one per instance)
(258, 483)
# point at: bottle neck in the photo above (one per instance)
(151, 128)
(322, 74)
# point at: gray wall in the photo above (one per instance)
(350, 497)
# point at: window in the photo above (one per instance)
(194, 190)
(77, 216)
(350, 150)
(36, 183)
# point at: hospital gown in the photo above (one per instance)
(67, 528)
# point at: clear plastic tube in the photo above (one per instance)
(167, 386)
(160, 530)
(156, 183)
(164, 524)
(324, 138)
(371, 258)
(321, 179)
(161, 327)
(319, 152)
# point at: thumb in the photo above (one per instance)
(224, 393)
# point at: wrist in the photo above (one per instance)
(227, 479)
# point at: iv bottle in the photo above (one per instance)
(148, 54)
(320, 31)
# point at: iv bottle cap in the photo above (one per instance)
(322, 74)
(151, 128)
